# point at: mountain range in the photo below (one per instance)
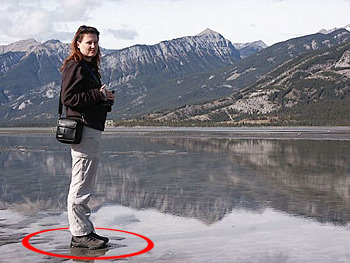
(290, 83)
(311, 89)
(164, 78)
(30, 77)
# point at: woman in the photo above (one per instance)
(84, 97)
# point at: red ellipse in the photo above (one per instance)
(25, 243)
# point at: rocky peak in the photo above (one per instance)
(27, 46)
(212, 36)
(208, 46)
(328, 31)
(54, 44)
(209, 32)
(258, 43)
(248, 49)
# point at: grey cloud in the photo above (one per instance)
(124, 33)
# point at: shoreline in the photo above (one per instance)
(265, 132)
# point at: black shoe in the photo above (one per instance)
(105, 239)
(88, 241)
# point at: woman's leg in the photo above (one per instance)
(85, 158)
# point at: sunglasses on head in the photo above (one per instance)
(88, 29)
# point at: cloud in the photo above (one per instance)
(75, 10)
(43, 19)
(25, 22)
(124, 33)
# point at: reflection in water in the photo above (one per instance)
(196, 196)
(207, 177)
(191, 176)
(83, 252)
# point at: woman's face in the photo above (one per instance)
(88, 46)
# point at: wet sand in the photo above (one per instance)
(241, 236)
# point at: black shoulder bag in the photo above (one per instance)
(68, 130)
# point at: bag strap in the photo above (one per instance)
(92, 73)
(60, 105)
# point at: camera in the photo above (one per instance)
(108, 103)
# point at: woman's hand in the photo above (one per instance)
(108, 94)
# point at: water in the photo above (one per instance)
(201, 195)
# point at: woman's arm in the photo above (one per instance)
(74, 94)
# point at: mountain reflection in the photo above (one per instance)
(191, 176)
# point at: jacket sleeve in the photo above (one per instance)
(74, 94)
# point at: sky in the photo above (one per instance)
(124, 23)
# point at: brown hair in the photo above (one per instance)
(75, 53)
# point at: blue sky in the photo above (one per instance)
(124, 23)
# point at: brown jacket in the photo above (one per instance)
(81, 94)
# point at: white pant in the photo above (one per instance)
(85, 158)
